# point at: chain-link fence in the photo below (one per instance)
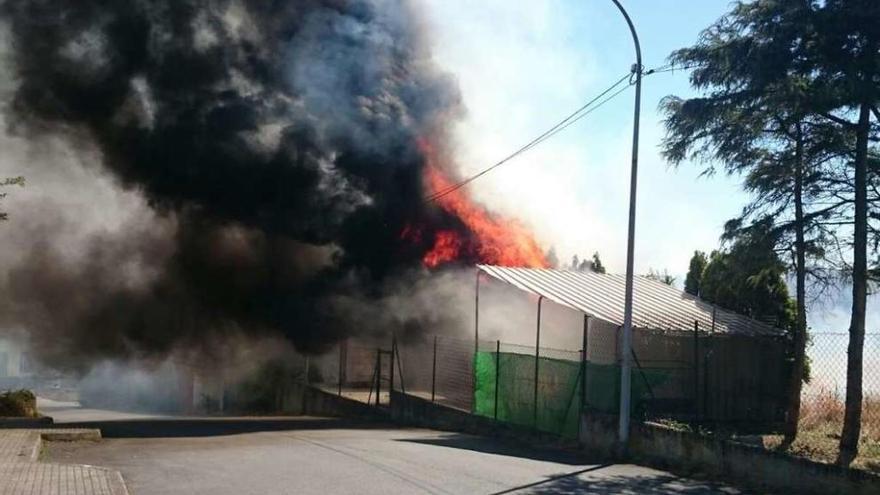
(693, 377)
(735, 381)
(544, 388)
(356, 368)
(439, 369)
(822, 400)
(435, 368)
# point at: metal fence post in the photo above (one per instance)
(583, 395)
(697, 369)
(706, 362)
(341, 366)
(476, 342)
(307, 369)
(497, 374)
(434, 371)
(378, 375)
(477, 316)
(584, 364)
(391, 373)
(399, 368)
(537, 359)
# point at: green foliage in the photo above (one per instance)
(695, 273)
(9, 181)
(18, 404)
(762, 114)
(13, 181)
(593, 265)
(789, 91)
(596, 264)
(663, 277)
(748, 278)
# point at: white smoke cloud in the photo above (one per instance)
(518, 73)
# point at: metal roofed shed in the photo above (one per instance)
(656, 306)
(690, 357)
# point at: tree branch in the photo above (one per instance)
(839, 120)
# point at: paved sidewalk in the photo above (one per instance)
(21, 473)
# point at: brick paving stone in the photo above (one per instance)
(22, 474)
(18, 445)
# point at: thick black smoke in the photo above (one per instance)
(277, 140)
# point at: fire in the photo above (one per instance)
(447, 247)
(496, 240)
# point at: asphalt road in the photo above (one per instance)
(166, 455)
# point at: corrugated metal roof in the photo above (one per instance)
(656, 306)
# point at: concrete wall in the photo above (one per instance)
(598, 434)
(412, 411)
(301, 399)
(751, 466)
(415, 411)
(747, 463)
(651, 444)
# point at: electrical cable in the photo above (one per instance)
(571, 118)
(568, 121)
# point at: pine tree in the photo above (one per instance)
(790, 91)
(756, 119)
(596, 264)
(846, 47)
(695, 273)
(660, 276)
(11, 181)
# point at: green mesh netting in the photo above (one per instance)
(559, 390)
(603, 386)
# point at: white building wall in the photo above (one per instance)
(10, 359)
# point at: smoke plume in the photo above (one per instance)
(278, 146)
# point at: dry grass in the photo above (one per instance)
(820, 426)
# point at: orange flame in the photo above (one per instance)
(499, 241)
(447, 247)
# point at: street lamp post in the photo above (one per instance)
(626, 344)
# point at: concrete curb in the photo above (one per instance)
(119, 487)
(16, 423)
(62, 435)
(67, 435)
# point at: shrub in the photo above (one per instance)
(18, 404)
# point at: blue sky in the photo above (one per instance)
(522, 66)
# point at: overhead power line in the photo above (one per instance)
(563, 124)
(584, 114)
(670, 68)
(559, 126)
